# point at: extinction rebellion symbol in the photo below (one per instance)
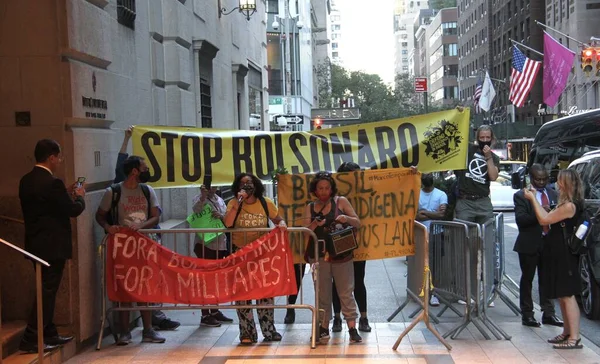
(442, 140)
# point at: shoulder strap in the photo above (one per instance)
(263, 202)
(146, 192)
(114, 206)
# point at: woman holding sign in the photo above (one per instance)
(324, 214)
(250, 209)
(209, 210)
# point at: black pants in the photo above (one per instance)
(299, 271)
(360, 291)
(529, 263)
(212, 254)
(51, 277)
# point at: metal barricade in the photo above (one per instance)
(181, 241)
(499, 274)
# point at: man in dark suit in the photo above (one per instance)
(47, 209)
(529, 246)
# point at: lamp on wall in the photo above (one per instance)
(246, 7)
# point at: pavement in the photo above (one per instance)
(386, 286)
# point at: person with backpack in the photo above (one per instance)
(131, 204)
(160, 321)
(560, 270)
(250, 209)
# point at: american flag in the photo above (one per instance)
(522, 77)
(478, 95)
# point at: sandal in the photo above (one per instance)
(569, 344)
(558, 339)
(246, 341)
(275, 336)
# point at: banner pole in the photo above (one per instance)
(561, 33)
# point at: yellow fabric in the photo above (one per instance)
(251, 216)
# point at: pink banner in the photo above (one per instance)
(558, 61)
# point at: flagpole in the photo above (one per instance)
(561, 33)
(526, 47)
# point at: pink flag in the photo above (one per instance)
(558, 61)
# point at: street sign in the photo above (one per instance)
(275, 101)
(420, 84)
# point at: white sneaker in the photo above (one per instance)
(461, 302)
(433, 301)
(491, 304)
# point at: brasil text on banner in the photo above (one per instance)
(179, 157)
(140, 270)
(386, 202)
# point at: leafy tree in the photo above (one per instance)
(323, 72)
(442, 4)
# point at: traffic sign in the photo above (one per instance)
(420, 84)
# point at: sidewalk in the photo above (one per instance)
(386, 286)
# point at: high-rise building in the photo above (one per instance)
(334, 29)
(405, 12)
(578, 19)
(441, 40)
(417, 65)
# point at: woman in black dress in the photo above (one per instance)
(560, 273)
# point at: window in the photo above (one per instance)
(450, 49)
(404, 51)
(334, 54)
(334, 46)
(335, 36)
(205, 103)
(126, 13)
(336, 27)
(435, 35)
(449, 28)
(273, 6)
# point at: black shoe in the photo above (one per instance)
(57, 340)
(530, 321)
(31, 348)
(363, 325)
(167, 324)
(337, 324)
(290, 316)
(552, 320)
(354, 336)
(220, 317)
(210, 321)
(275, 336)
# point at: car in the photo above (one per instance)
(501, 193)
(588, 168)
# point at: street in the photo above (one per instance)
(589, 328)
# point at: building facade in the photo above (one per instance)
(335, 34)
(441, 38)
(81, 72)
(578, 19)
(405, 13)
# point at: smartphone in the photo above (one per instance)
(80, 181)
(207, 181)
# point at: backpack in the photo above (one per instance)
(112, 218)
(575, 245)
(263, 202)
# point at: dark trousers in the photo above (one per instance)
(51, 277)
(360, 291)
(299, 272)
(206, 253)
(529, 263)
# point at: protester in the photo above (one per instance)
(160, 321)
(560, 274)
(360, 290)
(47, 207)
(326, 212)
(136, 209)
(216, 249)
(529, 245)
(432, 206)
(474, 203)
(250, 209)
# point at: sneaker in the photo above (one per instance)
(461, 302)
(354, 336)
(167, 325)
(151, 336)
(221, 318)
(433, 301)
(363, 325)
(337, 324)
(124, 339)
(491, 304)
(210, 321)
(323, 333)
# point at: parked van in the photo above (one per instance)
(588, 168)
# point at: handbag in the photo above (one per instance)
(575, 245)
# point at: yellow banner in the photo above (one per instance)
(386, 201)
(179, 157)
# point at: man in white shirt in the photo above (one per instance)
(432, 206)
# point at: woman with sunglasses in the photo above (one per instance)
(325, 214)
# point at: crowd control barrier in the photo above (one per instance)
(181, 241)
(419, 262)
